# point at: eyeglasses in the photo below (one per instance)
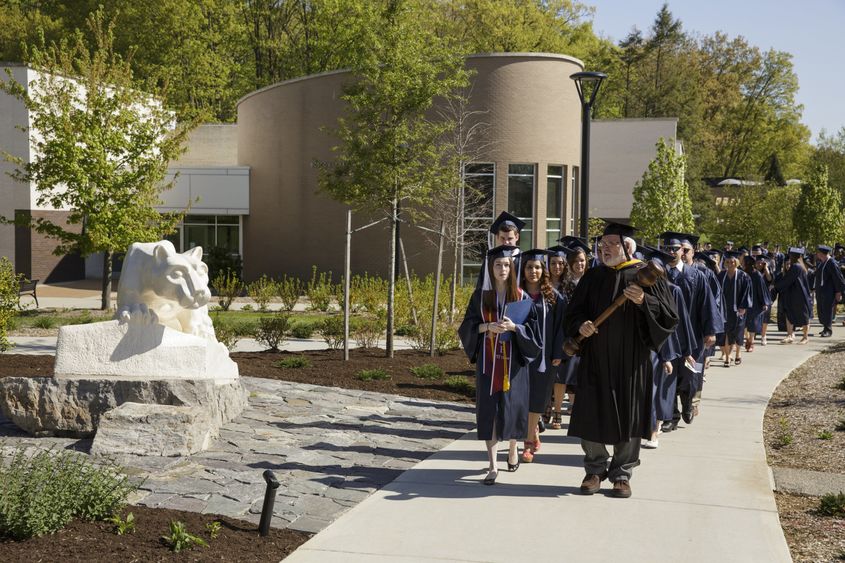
(673, 248)
(686, 250)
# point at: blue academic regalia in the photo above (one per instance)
(736, 293)
(507, 409)
(794, 296)
(715, 290)
(761, 302)
(542, 372)
(678, 346)
(828, 281)
(568, 370)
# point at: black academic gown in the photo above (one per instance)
(794, 296)
(761, 301)
(615, 382)
(828, 282)
(677, 347)
(701, 304)
(509, 410)
(736, 293)
(542, 372)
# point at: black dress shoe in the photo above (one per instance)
(826, 333)
(686, 405)
(666, 426)
(541, 426)
(688, 416)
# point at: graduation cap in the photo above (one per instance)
(732, 254)
(503, 251)
(705, 257)
(505, 219)
(658, 255)
(559, 250)
(575, 243)
(757, 248)
(621, 229)
(797, 250)
(743, 249)
(671, 238)
(540, 254)
(750, 259)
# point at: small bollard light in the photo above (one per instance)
(269, 501)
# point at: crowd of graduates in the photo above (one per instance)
(620, 335)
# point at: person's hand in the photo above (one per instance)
(635, 293)
(555, 363)
(667, 368)
(587, 329)
(765, 307)
(709, 340)
(495, 328)
(838, 296)
(690, 360)
(507, 325)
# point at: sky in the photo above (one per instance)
(811, 30)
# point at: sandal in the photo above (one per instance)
(491, 478)
(556, 420)
(737, 361)
(547, 416)
(513, 466)
(527, 452)
(804, 340)
(727, 362)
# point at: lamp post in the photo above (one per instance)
(583, 80)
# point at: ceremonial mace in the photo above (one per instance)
(647, 276)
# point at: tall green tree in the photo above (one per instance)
(101, 144)
(661, 197)
(830, 151)
(818, 215)
(390, 152)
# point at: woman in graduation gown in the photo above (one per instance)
(794, 297)
(761, 300)
(550, 306)
(558, 271)
(501, 351)
(736, 294)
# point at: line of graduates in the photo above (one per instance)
(642, 371)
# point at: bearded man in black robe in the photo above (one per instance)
(615, 372)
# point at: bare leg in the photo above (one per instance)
(513, 458)
(557, 393)
(491, 451)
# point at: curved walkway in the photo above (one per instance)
(704, 495)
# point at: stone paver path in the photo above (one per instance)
(330, 448)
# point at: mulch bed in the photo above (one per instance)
(326, 368)
(97, 541)
(807, 405)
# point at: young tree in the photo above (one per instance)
(818, 215)
(661, 197)
(101, 147)
(389, 151)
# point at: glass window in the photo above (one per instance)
(199, 219)
(199, 235)
(554, 204)
(480, 190)
(521, 200)
(209, 231)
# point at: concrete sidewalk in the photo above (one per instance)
(704, 495)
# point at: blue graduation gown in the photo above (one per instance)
(794, 296)
(761, 299)
(542, 372)
(567, 371)
(736, 293)
(508, 410)
(678, 346)
(701, 304)
(827, 283)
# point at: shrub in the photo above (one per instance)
(784, 435)
(302, 330)
(228, 286)
(226, 334)
(262, 291)
(9, 298)
(825, 435)
(445, 339)
(460, 384)
(319, 290)
(123, 527)
(289, 290)
(213, 529)
(44, 321)
(428, 371)
(247, 307)
(331, 330)
(368, 293)
(273, 331)
(832, 505)
(180, 539)
(295, 362)
(367, 332)
(41, 492)
(372, 374)
(83, 319)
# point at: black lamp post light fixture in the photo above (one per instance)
(588, 84)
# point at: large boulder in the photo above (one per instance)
(163, 430)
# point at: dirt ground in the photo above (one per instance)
(97, 541)
(800, 431)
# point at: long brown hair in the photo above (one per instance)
(571, 258)
(512, 292)
(545, 282)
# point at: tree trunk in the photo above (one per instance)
(408, 282)
(391, 279)
(436, 306)
(105, 299)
